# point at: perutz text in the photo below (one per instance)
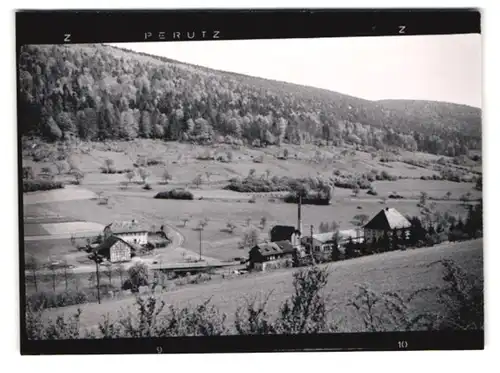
(181, 35)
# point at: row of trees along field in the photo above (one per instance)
(98, 92)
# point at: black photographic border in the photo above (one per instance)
(114, 26)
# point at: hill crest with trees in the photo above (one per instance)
(99, 92)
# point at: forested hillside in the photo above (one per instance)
(98, 92)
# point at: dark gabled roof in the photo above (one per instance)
(272, 248)
(283, 231)
(132, 226)
(285, 246)
(388, 219)
(283, 228)
(110, 241)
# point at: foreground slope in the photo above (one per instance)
(402, 272)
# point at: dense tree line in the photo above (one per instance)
(97, 92)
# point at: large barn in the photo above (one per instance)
(387, 221)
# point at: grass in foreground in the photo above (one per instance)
(305, 311)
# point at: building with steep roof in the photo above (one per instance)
(285, 233)
(130, 231)
(270, 251)
(388, 221)
(325, 242)
(116, 249)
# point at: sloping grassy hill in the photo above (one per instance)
(402, 272)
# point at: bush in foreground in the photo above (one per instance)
(306, 311)
(36, 185)
(175, 194)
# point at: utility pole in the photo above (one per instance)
(97, 259)
(312, 245)
(299, 214)
(97, 278)
(201, 228)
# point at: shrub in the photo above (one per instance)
(463, 299)
(147, 187)
(202, 320)
(28, 173)
(394, 195)
(259, 159)
(372, 192)
(154, 162)
(41, 300)
(62, 328)
(305, 312)
(351, 183)
(384, 175)
(387, 311)
(206, 156)
(138, 276)
(175, 194)
(35, 185)
(311, 198)
(105, 170)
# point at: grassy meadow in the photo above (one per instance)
(183, 163)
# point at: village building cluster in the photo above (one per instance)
(125, 239)
(289, 246)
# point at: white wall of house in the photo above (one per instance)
(140, 238)
(119, 252)
(295, 239)
(371, 234)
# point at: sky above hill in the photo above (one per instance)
(439, 68)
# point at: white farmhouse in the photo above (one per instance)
(129, 231)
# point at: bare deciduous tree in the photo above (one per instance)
(60, 166)
(32, 264)
(129, 176)
(66, 273)
(185, 220)
(109, 164)
(78, 175)
(250, 238)
(166, 176)
(144, 174)
(121, 271)
(230, 226)
(263, 222)
(197, 181)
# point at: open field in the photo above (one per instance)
(434, 188)
(217, 242)
(69, 193)
(76, 209)
(183, 164)
(42, 249)
(401, 271)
